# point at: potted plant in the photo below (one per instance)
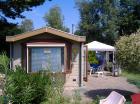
(109, 66)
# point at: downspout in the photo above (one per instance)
(11, 55)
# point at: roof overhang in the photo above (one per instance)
(46, 30)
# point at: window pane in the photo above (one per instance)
(47, 58)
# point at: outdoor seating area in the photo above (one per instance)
(101, 58)
(97, 69)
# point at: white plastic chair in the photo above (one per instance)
(91, 70)
(100, 71)
(113, 98)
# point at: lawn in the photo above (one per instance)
(1, 99)
(133, 78)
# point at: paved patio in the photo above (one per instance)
(102, 86)
(109, 82)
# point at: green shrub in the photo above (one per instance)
(128, 52)
(92, 57)
(1, 100)
(4, 63)
(97, 99)
(76, 97)
(4, 69)
(35, 88)
(55, 90)
(23, 88)
(109, 66)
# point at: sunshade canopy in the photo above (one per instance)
(98, 46)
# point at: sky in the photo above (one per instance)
(68, 9)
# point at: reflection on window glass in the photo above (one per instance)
(47, 58)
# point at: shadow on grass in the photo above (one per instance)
(135, 82)
(105, 92)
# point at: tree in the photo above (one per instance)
(128, 52)
(7, 29)
(106, 20)
(129, 17)
(26, 25)
(98, 20)
(54, 19)
(13, 9)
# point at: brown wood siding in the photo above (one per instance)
(86, 60)
(23, 56)
(69, 57)
(29, 60)
(65, 59)
(67, 53)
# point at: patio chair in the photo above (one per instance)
(91, 69)
(113, 98)
(100, 70)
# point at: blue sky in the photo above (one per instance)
(68, 8)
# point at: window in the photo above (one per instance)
(47, 58)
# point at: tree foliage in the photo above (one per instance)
(54, 19)
(98, 20)
(106, 20)
(129, 16)
(13, 9)
(92, 59)
(8, 28)
(128, 52)
(26, 25)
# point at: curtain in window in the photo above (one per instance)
(47, 58)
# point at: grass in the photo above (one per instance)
(131, 75)
(1, 99)
(133, 78)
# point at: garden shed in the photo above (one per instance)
(49, 49)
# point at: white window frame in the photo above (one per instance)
(46, 45)
(29, 45)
